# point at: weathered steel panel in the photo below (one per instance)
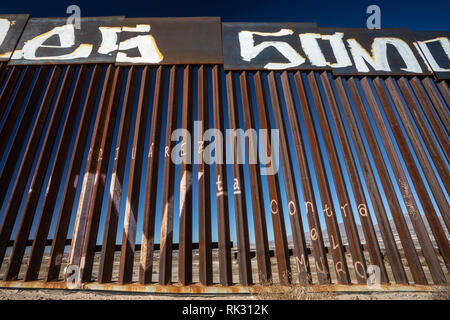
(223, 220)
(148, 227)
(392, 251)
(134, 180)
(205, 268)
(435, 47)
(273, 184)
(405, 190)
(303, 46)
(259, 218)
(265, 46)
(245, 269)
(165, 264)
(170, 41)
(186, 183)
(340, 264)
(53, 41)
(372, 244)
(338, 177)
(291, 190)
(11, 27)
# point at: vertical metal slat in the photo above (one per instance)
(243, 242)
(37, 250)
(62, 226)
(148, 232)
(259, 217)
(165, 263)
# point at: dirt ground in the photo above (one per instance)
(41, 294)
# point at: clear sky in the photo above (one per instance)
(413, 14)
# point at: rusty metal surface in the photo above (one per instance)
(386, 181)
(215, 289)
(438, 103)
(445, 90)
(84, 235)
(3, 71)
(64, 215)
(340, 264)
(132, 204)
(430, 213)
(425, 133)
(8, 88)
(74, 45)
(411, 205)
(355, 181)
(344, 199)
(243, 242)
(109, 100)
(37, 250)
(186, 182)
(148, 228)
(302, 260)
(199, 37)
(38, 178)
(14, 112)
(331, 240)
(259, 218)
(276, 208)
(392, 251)
(112, 215)
(430, 115)
(26, 162)
(425, 163)
(13, 25)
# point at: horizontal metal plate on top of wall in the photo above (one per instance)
(54, 41)
(303, 46)
(11, 27)
(380, 52)
(170, 41)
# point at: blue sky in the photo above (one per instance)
(413, 14)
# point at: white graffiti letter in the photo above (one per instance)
(312, 49)
(378, 58)
(73, 279)
(144, 43)
(250, 51)
(66, 36)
